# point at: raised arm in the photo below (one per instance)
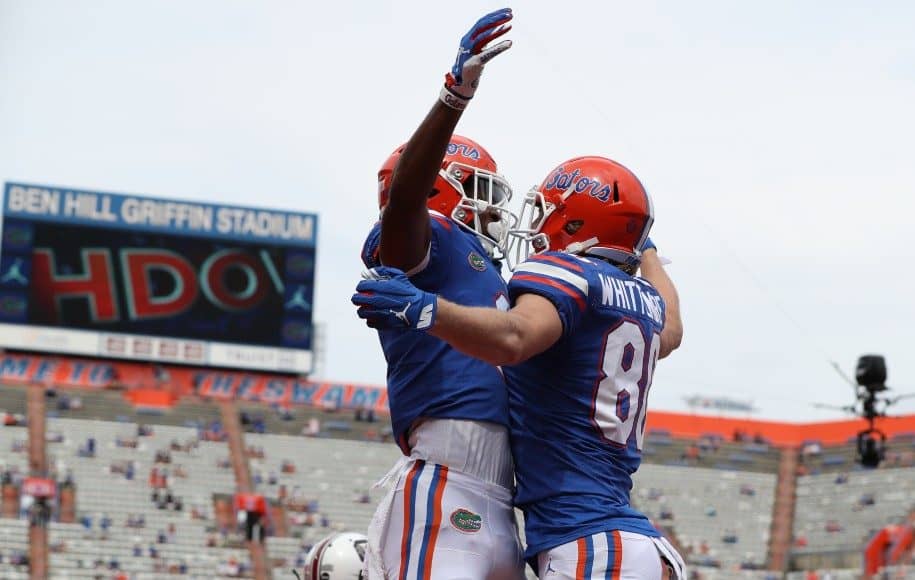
(652, 271)
(405, 228)
(405, 222)
(389, 300)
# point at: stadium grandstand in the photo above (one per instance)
(157, 418)
(125, 470)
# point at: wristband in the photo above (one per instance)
(453, 100)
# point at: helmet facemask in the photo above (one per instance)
(527, 239)
(530, 238)
(482, 192)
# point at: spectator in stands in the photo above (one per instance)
(153, 552)
(68, 478)
(161, 538)
(285, 413)
(325, 521)
(25, 505)
(39, 513)
(180, 472)
(104, 524)
(811, 448)
(710, 511)
(172, 533)
(88, 449)
(691, 454)
(287, 466)
(666, 514)
(800, 541)
(137, 551)
(866, 499)
(832, 526)
(730, 537)
(229, 567)
(313, 428)
(841, 478)
(272, 478)
(747, 489)
(19, 558)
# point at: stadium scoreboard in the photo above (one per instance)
(134, 277)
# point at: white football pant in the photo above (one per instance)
(612, 555)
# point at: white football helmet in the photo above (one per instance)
(336, 557)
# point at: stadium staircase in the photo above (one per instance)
(38, 467)
(783, 510)
(239, 459)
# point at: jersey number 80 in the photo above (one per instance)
(620, 397)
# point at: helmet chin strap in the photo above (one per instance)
(580, 247)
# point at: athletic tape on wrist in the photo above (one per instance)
(452, 100)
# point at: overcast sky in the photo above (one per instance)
(777, 139)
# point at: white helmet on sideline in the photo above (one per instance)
(337, 557)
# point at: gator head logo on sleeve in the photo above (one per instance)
(476, 261)
(466, 521)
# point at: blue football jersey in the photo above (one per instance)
(427, 377)
(577, 410)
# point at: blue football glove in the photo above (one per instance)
(461, 83)
(387, 299)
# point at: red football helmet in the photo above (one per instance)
(588, 205)
(468, 185)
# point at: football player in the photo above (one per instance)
(584, 335)
(339, 556)
(443, 222)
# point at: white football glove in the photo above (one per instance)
(473, 54)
